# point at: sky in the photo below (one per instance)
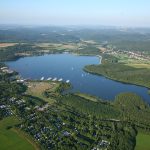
(135, 13)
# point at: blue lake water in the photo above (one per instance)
(70, 67)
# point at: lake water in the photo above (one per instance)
(70, 67)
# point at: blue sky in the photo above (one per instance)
(76, 12)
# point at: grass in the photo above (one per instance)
(143, 142)
(71, 46)
(12, 138)
(140, 65)
(37, 89)
(123, 58)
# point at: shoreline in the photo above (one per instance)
(86, 70)
(91, 72)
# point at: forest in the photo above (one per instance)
(112, 69)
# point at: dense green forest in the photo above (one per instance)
(132, 106)
(89, 50)
(127, 39)
(37, 34)
(142, 46)
(12, 52)
(100, 109)
(110, 68)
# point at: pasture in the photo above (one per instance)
(11, 138)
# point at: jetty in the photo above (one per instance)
(100, 58)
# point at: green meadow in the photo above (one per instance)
(142, 142)
(13, 139)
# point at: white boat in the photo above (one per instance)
(49, 79)
(60, 79)
(54, 79)
(42, 78)
(67, 81)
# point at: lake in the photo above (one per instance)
(70, 67)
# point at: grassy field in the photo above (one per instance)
(123, 58)
(37, 89)
(139, 65)
(143, 142)
(57, 46)
(13, 139)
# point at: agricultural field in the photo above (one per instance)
(59, 46)
(140, 65)
(11, 138)
(142, 142)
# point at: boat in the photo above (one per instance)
(60, 79)
(67, 81)
(49, 79)
(42, 78)
(54, 79)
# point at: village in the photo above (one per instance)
(129, 54)
(51, 126)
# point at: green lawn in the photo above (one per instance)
(142, 142)
(12, 138)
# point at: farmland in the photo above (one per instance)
(13, 138)
(143, 142)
